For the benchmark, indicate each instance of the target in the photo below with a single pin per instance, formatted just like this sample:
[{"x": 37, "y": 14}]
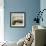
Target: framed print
[{"x": 17, "y": 19}]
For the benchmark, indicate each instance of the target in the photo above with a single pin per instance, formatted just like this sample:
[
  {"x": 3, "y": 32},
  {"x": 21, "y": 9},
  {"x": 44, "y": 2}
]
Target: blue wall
[
  {"x": 43, "y": 6},
  {"x": 28, "y": 6}
]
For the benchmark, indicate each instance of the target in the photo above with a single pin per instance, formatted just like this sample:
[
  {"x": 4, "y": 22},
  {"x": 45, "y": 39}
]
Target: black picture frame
[{"x": 17, "y": 19}]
